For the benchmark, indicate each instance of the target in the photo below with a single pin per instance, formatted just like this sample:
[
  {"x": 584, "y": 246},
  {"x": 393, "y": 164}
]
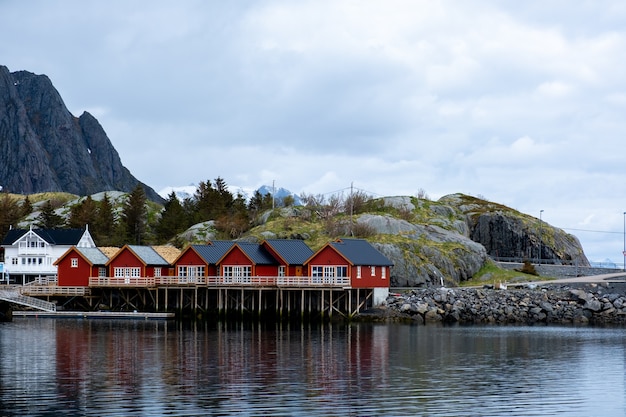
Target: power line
[{"x": 591, "y": 231}]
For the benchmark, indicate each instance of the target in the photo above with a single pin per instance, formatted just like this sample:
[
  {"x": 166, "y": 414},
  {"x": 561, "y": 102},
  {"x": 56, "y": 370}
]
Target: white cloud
[{"x": 521, "y": 102}]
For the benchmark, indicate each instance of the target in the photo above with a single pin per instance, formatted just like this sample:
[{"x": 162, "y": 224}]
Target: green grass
[{"x": 497, "y": 274}]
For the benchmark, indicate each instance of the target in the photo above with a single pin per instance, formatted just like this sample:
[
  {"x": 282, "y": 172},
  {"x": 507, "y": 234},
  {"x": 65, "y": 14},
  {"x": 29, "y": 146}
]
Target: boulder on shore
[{"x": 556, "y": 304}]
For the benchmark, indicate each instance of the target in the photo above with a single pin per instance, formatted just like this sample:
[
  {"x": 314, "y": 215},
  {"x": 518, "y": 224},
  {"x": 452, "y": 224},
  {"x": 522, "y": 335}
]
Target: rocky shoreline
[{"x": 554, "y": 303}]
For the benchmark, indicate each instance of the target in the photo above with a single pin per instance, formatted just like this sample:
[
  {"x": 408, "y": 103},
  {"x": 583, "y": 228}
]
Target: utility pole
[
  {"x": 540, "y": 236},
  {"x": 351, "y": 205}
]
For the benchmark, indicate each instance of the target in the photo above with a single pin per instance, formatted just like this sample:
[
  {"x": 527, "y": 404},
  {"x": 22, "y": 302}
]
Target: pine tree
[
  {"x": 27, "y": 207},
  {"x": 9, "y": 213},
  {"x": 48, "y": 219},
  {"x": 104, "y": 224},
  {"x": 83, "y": 213},
  {"x": 173, "y": 219},
  {"x": 135, "y": 215},
  {"x": 212, "y": 200}
]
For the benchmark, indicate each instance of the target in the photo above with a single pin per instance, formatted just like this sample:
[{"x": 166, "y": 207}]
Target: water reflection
[{"x": 97, "y": 367}]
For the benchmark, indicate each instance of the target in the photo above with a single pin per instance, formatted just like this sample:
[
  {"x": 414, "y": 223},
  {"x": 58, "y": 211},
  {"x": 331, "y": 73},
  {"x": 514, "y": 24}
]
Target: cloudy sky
[{"x": 519, "y": 102}]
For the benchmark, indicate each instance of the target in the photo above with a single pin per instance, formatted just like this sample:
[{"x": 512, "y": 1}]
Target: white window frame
[
  {"x": 372, "y": 271},
  {"x": 358, "y": 271},
  {"x": 73, "y": 261}
]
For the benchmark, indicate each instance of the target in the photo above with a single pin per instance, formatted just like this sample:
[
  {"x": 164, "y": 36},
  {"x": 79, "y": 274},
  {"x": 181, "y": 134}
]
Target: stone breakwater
[{"x": 558, "y": 304}]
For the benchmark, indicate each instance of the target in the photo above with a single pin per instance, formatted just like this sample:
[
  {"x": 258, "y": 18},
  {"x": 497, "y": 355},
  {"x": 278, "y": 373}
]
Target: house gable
[
  {"x": 291, "y": 254},
  {"x": 366, "y": 267}
]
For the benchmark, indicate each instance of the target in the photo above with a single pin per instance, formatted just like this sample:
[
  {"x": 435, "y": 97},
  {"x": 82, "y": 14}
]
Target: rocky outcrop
[
  {"x": 558, "y": 304},
  {"x": 43, "y": 147},
  {"x": 426, "y": 254},
  {"x": 506, "y": 233}
]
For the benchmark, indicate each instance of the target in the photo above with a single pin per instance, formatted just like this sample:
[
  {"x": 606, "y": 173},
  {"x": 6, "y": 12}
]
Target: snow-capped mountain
[
  {"x": 182, "y": 192},
  {"x": 279, "y": 193}
]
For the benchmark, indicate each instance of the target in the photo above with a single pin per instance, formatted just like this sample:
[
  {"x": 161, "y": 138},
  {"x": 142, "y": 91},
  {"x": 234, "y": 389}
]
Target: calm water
[{"x": 149, "y": 368}]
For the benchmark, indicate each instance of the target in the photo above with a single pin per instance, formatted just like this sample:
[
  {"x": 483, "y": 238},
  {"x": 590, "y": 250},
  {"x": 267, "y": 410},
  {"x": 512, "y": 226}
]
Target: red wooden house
[
  {"x": 352, "y": 261},
  {"x": 244, "y": 260},
  {"x": 200, "y": 261},
  {"x": 291, "y": 255},
  {"x": 77, "y": 264},
  {"x": 133, "y": 263}
]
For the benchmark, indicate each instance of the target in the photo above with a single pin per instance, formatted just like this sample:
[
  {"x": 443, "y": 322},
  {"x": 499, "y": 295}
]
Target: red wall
[
  {"x": 329, "y": 256},
  {"x": 73, "y": 277},
  {"x": 191, "y": 257},
  {"x": 125, "y": 258},
  {"x": 235, "y": 257},
  {"x": 367, "y": 280},
  {"x": 265, "y": 270}
]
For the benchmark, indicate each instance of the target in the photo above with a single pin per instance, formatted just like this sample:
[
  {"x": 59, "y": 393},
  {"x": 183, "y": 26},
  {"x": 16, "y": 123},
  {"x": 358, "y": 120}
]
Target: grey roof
[
  {"x": 148, "y": 255},
  {"x": 52, "y": 236},
  {"x": 292, "y": 251},
  {"x": 93, "y": 255},
  {"x": 360, "y": 252},
  {"x": 213, "y": 251},
  {"x": 257, "y": 253}
]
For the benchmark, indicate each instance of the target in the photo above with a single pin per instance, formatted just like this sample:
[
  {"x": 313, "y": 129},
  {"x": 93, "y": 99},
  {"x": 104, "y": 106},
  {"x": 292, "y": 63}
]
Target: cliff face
[
  {"x": 506, "y": 233},
  {"x": 43, "y": 147}
]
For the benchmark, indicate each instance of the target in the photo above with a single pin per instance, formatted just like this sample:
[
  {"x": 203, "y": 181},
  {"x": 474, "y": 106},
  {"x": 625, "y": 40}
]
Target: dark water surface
[{"x": 151, "y": 368}]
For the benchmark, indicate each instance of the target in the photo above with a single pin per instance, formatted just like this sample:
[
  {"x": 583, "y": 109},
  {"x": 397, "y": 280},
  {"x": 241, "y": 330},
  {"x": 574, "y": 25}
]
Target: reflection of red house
[
  {"x": 354, "y": 258},
  {"x": 134, "y": 261},
  {"x": 77, "y": 264},
  {"x": 201, "y": 260}
]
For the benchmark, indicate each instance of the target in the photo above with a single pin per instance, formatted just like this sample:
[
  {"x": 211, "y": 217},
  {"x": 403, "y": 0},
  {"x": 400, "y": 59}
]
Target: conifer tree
[
  {"x": 173, "y": 219},
  {"x": 48, "y": 219},
  {"x": 134, "y": 216},
  {"x": 83, "y": 213},
  {"x": 27, "y": 207},
  {"x": 104, "y": 224},
  {"x": 9, "y": 213}
]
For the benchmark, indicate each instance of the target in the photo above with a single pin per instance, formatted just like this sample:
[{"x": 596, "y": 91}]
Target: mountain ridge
[{"x": 44, "y": 148}]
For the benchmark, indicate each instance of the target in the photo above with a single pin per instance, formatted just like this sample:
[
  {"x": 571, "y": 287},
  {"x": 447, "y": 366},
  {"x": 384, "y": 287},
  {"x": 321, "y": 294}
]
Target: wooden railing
[
  {"x": 216, "y": 281},
  {"x": 54, "y": 290},
  {"x": 122, "y": 281}
]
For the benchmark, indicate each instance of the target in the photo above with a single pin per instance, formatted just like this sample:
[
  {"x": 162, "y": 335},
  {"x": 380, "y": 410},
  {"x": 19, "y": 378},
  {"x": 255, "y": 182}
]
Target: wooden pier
[{"x": 263, "y": 298}]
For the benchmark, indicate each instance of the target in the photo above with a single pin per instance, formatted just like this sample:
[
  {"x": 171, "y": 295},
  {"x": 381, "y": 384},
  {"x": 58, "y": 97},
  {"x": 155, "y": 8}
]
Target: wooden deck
[
  {"x": 221, "y": 281},
  {"x": 135, "y": 315}
]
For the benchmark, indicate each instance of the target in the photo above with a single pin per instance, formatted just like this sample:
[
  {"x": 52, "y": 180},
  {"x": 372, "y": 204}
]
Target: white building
[{"x": 30, "y": 254}]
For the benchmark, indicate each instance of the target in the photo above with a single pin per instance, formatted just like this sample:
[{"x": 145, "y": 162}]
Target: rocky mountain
[
  {"x": 435, "y": 242},
  {"x": 43, "y": 147}
]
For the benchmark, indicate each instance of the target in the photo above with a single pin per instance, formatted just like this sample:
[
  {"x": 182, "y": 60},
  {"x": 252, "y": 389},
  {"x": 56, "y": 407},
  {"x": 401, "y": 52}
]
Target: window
[
  {"x": 125, "y": 272},
  {"x": 157, "y": 271},
  {"x": 102, "y": 272},
  {"x": 316, "y": 273},
  {"x": 182, "y": 271},
  {"x": 358, "y": 271},
  {"x": 281, "y": 271},
  {"x": 383, "y": 272},
  {"x": 196, "y": 271},
  {"x": 74, "y": 262},
  {"x": 327, "y": 273},
  {"x": 373, "y": 271},
  {"x": 237, "y": 273},
  {"x": 14, "y": 261}
]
